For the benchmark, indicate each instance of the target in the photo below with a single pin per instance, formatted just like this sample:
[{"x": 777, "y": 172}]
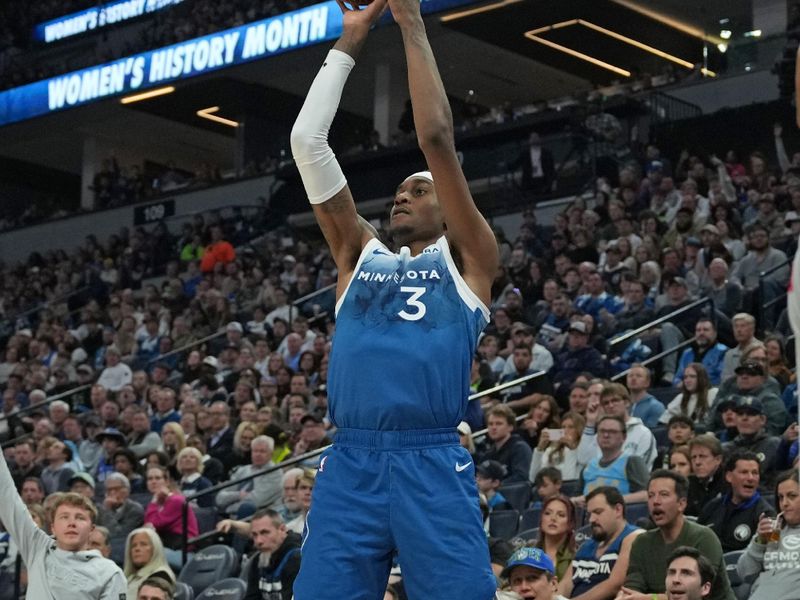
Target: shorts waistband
[{"x": 395, "y": 440}]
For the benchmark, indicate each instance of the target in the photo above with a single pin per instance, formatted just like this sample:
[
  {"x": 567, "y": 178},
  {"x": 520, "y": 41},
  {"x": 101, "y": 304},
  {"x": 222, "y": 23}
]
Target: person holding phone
[
  {"x": 773, "y": 554},
  {"x": 559, "y": 448}
]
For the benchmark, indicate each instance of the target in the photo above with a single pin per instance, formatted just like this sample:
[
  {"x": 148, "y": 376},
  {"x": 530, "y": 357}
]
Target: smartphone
[{"x": 555, "y": 434}]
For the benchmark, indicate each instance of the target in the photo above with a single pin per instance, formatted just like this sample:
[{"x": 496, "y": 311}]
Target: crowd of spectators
[{"x": 210, "y": 372}]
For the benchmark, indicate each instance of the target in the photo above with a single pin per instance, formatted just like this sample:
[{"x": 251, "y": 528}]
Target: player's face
[
  {"x": 416, "y": 210},
  {"x": 684, "y": 582},
  {"x": 532, "y": 584},
  {"x": 71, "y": 527}
]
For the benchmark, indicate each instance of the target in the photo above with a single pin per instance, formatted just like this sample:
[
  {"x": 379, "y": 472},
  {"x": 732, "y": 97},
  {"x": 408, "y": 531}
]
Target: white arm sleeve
[{"x": 320, "y": 171}]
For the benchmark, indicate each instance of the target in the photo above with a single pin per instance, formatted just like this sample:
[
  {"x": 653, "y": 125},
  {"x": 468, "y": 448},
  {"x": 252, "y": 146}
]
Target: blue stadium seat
[
  {"x": 117, "y": 544},
  {"x": 503, "y": 523},
  {"x": 517, "y": 494},
  {"x": 636, "y": 511},
  {"x": 231, "y": 588},
  {"x": 207, "y": 517},
  {"x": 183, "y": 591},
  {"x": 526, "y": 537},
  {"x": 571, "y": 487},
  {"x": 208, "y": 566},
  {"x": 530, "y": 518}
]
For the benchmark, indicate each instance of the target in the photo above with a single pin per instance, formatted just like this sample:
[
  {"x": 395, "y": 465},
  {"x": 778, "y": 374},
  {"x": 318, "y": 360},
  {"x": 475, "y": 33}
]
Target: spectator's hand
[
  {"x": 162, "y": 494},
  {"x": 300, "y": 447},
  {"x": 592, "y": 412},
  {"x": 544, "y": 439},
  {"x": 579, "y": 501},
  {"x": 765, "y": 527},
  {"x": 629, "y": 594},
  {"x": 530, "y": 425},
  {"x": 715, "y": 160},
  {"x": 777, "y": 130},
  {"x": 790, "y": 434},
  {"x": 225, "y": 525}
]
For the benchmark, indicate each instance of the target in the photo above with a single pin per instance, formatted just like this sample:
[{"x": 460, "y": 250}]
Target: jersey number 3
[{"x": 413, "y": 302}]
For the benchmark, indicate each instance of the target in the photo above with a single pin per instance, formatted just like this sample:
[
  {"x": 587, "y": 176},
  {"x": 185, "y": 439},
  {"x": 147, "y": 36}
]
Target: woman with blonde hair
[
  {"x": 190, "y": 466},
  {"x": 244, "y": 435},
  {"x": 144, "y": 558},
  {"x": 173, "y": 440}
]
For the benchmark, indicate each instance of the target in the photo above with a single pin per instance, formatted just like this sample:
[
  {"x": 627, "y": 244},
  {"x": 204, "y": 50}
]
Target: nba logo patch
[{"x": 322, "y": 464}]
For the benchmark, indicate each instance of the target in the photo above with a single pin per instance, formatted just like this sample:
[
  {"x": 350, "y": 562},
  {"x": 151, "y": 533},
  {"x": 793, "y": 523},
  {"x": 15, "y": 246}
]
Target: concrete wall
[
  {"x": 712, "y": 95},
  {"x": 69, "y": 233}
]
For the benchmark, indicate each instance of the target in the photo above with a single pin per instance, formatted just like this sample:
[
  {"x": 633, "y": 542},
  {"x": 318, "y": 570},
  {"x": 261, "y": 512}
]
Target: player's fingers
[{"x": 343, "y": 6}]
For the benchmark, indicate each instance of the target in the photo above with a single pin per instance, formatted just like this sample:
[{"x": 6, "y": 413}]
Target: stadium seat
[
  {"x": 530, "y": 518},
  {"x": 740, "y": 587},
  {"x": 183, "y": 591},
  {"x": 117, "y": 544},
  {"x": 660, "y": 433},
  {"x": 207, "y": 518},
  {"x": 231, "y": 588},
  {"x": 636, "y": 511},
  {"x": 517, "y": 494},
  {"x": 503, "y": 523},
  {"x": 209, "y": 565},
  {"x": 527, "y": 537},
  {"x": 571, "y": 487},
  {"x": 582, "y": 534},
  {"x": 665, "y": 395}
]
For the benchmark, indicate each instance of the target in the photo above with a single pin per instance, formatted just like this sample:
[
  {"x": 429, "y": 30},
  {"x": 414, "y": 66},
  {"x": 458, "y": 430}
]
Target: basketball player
[{"x": 396, "y": 478}]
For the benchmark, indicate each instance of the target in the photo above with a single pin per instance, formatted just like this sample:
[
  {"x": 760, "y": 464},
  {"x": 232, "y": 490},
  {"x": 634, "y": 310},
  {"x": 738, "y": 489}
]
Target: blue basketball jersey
[{"x": 406, "y": 330}]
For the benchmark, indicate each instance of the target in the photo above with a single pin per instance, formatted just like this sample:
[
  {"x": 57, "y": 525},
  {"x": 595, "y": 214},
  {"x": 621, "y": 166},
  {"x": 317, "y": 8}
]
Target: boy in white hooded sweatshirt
[{"x": 60, "y": 567}]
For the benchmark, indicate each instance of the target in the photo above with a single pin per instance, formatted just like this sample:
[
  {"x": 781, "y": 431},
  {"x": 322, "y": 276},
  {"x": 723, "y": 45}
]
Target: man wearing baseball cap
[
  {"x": 751, "y": 425},
  {"x": 531, "y": 574}
]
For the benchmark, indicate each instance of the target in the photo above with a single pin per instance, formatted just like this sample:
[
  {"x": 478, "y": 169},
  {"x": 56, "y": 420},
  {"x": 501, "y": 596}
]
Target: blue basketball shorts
[{"x": 381, "y": 491}]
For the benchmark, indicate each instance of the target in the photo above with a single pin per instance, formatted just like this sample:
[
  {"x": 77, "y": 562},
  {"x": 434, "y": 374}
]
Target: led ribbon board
[
  {"x": 97, "y": 17},
  {"x": 199, "y": 56}
]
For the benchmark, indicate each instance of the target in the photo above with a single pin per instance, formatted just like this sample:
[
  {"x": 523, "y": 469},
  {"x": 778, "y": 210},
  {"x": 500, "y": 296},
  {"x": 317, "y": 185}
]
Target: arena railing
[
  {"x": 295, "y": 305},
  {"x": 668, "y": 317},
  {"x": 186, "y": 542},
  {"x": 185, "y": 347},
  {"x": 763, "y": 306},
  {"x": 656, "y": 357},
  {"x": 47, "y": 401}
]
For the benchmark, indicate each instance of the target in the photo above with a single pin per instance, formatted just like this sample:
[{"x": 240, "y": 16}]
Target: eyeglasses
[{"x": 609, "y": 432}]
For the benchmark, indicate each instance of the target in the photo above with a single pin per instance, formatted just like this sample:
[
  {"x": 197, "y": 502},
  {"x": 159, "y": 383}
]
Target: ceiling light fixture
[
  {"x": 207, "y": 113},
  {"x": 725, "y": 34},
  {"x": 669, "y": 21},
  {"x": 147, "y": 95},
  {"x": 536, "y": 35}
]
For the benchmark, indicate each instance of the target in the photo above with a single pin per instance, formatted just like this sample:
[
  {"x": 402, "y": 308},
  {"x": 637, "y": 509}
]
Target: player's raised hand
[{"x": 361, "y": 17}]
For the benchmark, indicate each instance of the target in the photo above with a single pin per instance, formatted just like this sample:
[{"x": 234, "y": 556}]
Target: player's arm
[
  {"x": 467, "y": 230},
  {"x": 797, "y": 87},
  {"x": 322, "y": 176}
]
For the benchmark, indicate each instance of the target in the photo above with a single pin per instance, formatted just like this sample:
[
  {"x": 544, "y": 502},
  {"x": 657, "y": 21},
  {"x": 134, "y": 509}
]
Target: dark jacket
[
  {"x": 275, "y": 581},
  {"x": 703, "y": 492},
  {"x": 515, "y": 454},
  {"x": 765, "y": 446},
  {"x": 735, "y": 525},
  {"x": 569, "y": 363}
]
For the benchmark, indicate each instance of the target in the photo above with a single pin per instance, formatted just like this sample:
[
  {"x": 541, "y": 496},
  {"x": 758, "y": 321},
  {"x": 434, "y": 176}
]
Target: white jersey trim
[
  {"x": 469, "y": 297},
  {"x": 373, "y": 243}
]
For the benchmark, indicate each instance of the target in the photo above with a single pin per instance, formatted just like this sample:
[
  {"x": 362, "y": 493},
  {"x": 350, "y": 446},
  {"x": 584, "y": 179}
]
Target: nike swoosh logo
[
  {"x": 460, "y": 468},
  {"x": 382, "y": 253}
]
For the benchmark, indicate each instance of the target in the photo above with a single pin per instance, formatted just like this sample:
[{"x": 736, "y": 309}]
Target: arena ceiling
[{"x": 516, "y": 51}]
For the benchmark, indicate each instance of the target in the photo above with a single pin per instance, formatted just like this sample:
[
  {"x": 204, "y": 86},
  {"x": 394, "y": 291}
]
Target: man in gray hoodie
[
  {"x": 772, "y": 556},
  {"x": 62, "y": 568}
]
